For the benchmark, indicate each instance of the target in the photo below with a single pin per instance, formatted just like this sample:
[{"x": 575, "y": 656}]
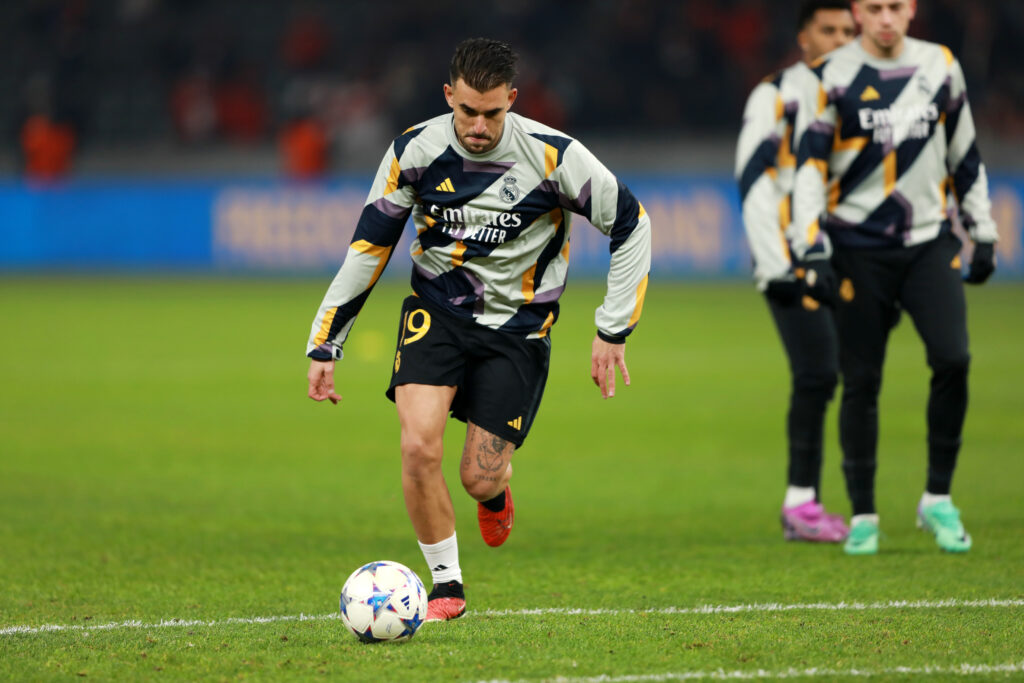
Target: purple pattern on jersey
[
  {"x": 837, "y": 92},
  {"x": 581, "y": 199},
  {"x": 908, "y": 213},
  {"x": 955, "y": 103},
  {"x": 822, "y": 127},
  {"x": 411, "y": 176},
  {"x": 478, "y": 292},
  {"x": 548, "y": 296},
  {"x": 499, "y": 167},
  {"x": 893, "y": 74},
  {"x": 390, "y": 209}
]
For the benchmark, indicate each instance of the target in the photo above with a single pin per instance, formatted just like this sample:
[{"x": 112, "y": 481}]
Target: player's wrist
[
  {"x": 326, "y": 352},
  {"x": 610, "y": 338}
]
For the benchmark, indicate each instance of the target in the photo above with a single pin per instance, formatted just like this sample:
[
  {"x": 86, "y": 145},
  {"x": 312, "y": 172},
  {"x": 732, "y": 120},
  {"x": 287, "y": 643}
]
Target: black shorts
[{"x": 499, "y": 376}]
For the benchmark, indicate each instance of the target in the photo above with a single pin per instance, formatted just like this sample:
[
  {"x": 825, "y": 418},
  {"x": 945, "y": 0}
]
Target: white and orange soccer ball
[{"x": 383, "y": 601}]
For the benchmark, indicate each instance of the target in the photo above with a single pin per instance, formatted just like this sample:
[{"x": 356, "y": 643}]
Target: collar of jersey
[
  {"x": 903, "y": 59},
  {"x": 496, "y": 153}
]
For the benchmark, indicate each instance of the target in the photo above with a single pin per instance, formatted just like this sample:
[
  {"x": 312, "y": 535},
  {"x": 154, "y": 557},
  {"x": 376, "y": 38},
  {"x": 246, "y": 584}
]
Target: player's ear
[
  {"x": 512, "y": 93},
  {"x": 913, "y": 8},
  {"x": 449, "y": 95}
]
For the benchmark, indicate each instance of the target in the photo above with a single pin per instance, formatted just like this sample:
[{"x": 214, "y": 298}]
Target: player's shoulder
[
  {"x": 924, "y": 52},
  {"x": 795, "y": 77},
  {"x": 425, "y": 135},
  {"x": 523, "y": 126},
  {"x": 841, "y": 59},
  {"x": 763, "y": 97},
  {"x": 539, "y": 136}
]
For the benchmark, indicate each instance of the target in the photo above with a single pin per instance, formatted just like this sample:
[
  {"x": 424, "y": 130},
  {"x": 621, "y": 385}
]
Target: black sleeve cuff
[
  {"x": 610, "y": 339},
  {"x": 326, "y": 352}
]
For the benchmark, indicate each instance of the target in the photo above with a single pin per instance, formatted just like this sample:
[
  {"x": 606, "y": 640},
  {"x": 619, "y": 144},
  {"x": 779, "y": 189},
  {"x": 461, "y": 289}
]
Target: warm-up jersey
[
  {"x": 765, "y": 167},
  {"x": 492, "y": 231},
  {"x": 886, "y": 140}
]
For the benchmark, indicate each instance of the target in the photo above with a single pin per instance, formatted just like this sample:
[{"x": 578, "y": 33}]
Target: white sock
[
  {"x": 867, "y": 518},
  {"x": 443, "y": 560},
  {"x": 798, "y": 495},
  {"x": 933, "y": 498}
]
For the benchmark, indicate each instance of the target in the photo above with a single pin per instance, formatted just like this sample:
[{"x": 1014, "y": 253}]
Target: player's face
[
  {"x": 479, "y": 116},
  {"x": 827, "y": 30},
  {"x": 884, "y": 24}
]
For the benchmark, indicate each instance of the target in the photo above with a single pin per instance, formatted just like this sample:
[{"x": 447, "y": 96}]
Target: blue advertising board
[{"x": 268, "y": 226}]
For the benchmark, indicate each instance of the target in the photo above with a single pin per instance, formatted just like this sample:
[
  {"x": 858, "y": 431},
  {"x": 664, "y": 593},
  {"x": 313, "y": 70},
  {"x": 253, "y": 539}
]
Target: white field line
[
  {"x": 571, "y": 611},
  {"x": 816, "y": 672}
]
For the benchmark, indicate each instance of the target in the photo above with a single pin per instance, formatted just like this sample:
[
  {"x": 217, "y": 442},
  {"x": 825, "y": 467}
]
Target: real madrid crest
[{"x": 510, "y": 190}]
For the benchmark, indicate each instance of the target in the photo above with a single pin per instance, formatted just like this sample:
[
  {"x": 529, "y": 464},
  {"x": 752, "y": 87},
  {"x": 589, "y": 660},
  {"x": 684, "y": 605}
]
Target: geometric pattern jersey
[
  {"x": 492, "y": 241},
  {"x": 766, "y": 166},
  {"x": 885, "y": 142}
]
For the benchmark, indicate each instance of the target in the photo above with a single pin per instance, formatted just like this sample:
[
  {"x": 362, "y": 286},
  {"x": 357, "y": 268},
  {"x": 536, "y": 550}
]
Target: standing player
[
  {"x": 765, "y": 165},
  {"x": 891, "y": 131},
  {"x": 489, "y": 193}
]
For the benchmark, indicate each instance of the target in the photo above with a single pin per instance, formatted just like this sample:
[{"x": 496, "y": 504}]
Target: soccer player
[
  {"x": 890, "y": 131},
  {"x": 490, "y": 194},
  {"x": 765, "y": 165}
]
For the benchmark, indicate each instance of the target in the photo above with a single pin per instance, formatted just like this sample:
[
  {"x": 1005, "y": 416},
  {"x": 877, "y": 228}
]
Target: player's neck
[{"x": 880, "y": 52}]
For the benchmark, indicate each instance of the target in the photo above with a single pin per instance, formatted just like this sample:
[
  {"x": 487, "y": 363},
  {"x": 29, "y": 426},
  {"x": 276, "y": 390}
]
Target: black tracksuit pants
[
  {"x": 808, "y": 334},
  {"x": 925, "y": 282}
]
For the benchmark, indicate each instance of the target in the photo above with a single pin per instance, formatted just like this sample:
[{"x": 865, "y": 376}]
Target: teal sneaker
[
  {"x": 943, "y": 520},
  {"x": 863, "y": 538}
]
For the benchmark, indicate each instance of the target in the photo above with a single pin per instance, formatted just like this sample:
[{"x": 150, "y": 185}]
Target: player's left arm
[
  {"x": 594, "y": 192},
  {"x": 969, "y": 179},
  {"x": 816, "y": 123}
]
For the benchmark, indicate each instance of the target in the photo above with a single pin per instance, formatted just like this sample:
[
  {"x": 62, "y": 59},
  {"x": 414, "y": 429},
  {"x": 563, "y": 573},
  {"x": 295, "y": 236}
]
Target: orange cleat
[
  {"x": 446, "y": 601},
  {"x": 496, "y": 526}
]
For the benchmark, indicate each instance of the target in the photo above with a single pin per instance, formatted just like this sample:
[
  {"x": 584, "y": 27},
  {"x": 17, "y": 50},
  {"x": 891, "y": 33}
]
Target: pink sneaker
[
  {"x": 839, "y": 524},
  {"x": 810, "y": 522}
]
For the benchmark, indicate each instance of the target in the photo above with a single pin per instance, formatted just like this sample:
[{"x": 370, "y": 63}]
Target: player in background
[
  {"x": 765, "y": 165},
  {"x": 891, "y": 130},
  {"x": 490, "y": 194}
]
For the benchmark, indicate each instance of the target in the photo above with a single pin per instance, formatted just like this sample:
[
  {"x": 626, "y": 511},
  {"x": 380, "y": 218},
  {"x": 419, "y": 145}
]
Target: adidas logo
[
  {"x": 438, "y": 568},
  {"x": 869, "y": 94},
  {"x": 516, "y": 423},
  {"x": 446, "y": 186}
]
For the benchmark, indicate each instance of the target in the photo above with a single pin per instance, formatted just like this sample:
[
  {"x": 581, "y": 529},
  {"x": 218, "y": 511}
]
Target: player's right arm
[
  {"x": 765, "y": 204},
  {"x": 378, "y": 231},
  {"x": 809, "y": 186}
]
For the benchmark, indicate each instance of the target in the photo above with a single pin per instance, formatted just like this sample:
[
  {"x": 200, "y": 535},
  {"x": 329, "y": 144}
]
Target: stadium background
[{"x": 169, "y": 133}]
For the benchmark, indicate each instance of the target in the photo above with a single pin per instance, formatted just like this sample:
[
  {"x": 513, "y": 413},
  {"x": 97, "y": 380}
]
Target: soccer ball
[{"x": 383, "y": 601}]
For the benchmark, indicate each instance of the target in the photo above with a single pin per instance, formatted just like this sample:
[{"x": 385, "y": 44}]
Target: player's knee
[
  {"x": 481, "y": 486},
  {"x": 950, "y": 364},
  {"x": 421, "y": 457},
  {"x": 862, "y": 382},
  {"x": 819, "y": 385}
]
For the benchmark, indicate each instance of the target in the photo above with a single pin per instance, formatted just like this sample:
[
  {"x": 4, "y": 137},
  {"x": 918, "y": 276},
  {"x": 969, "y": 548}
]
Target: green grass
[{"x": 159, "y": 460}]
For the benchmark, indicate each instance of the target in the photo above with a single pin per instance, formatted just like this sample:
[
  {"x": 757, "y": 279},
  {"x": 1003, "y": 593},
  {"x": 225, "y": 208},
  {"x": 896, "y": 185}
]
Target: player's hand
[
  {"x": 604, "y": 358},
  {"x": 983, "y": 263},
  {"x": 820, "y": 282},
  {"x": 785, "y": 290},
  {"x": 321, "y": 381}
]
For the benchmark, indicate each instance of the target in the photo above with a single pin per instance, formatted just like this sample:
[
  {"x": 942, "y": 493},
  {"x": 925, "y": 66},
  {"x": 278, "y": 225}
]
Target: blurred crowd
[{"x": 326, "y": 78}]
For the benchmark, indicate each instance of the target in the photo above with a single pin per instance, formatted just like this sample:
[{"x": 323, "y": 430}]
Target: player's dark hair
[
  {"x": 483, "y": 64},
  {"x": 809, "y": 7}
]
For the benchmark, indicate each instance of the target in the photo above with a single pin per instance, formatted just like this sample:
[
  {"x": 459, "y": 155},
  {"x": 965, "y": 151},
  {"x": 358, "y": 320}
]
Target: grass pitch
[{"x": 159, "y": 461}]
